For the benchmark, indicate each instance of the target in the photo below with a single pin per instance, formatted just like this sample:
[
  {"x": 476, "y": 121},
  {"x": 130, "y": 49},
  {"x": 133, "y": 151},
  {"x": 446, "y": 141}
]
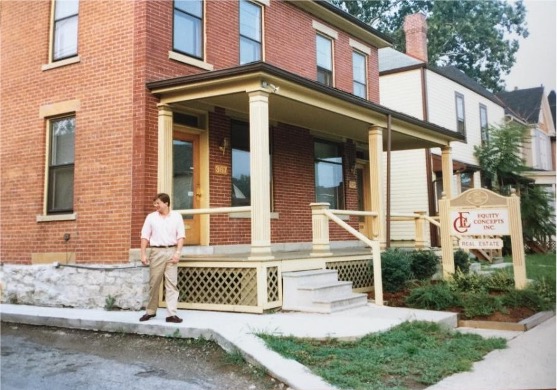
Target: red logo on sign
[{"x": 460, "y": 223}]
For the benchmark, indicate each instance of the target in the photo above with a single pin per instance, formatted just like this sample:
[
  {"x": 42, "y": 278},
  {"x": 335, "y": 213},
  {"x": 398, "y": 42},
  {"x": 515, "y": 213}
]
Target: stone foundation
[{"x": 87, "y": 287}]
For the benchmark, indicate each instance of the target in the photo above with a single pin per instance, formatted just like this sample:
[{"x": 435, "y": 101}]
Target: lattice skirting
[
  {"x": 359, "y": 272},
  {"x": 219, "y": 287}
]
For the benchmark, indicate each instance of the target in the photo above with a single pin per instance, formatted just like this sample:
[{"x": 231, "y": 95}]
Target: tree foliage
[
  {"x": 501, "y": 165},
  {"x": 478, "y": 37}
]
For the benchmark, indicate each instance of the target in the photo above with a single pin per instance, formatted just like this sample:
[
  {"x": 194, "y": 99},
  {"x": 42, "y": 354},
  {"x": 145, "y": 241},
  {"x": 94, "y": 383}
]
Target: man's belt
[{"x": 163, "y": 246}]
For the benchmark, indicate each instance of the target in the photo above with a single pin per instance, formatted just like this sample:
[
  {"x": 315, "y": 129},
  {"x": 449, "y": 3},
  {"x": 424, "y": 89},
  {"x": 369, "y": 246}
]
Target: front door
[{"x": 185, "y": 181}]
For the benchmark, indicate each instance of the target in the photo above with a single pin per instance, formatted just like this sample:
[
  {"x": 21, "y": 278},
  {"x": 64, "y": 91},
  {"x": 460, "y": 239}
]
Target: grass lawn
[
  {"x": 539, "y": 266},
  {"x": 412, "y": 355}
]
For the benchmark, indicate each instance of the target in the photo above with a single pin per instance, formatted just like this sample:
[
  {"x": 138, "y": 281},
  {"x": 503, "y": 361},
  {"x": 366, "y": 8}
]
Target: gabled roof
[
  {"x": 393, "y": 61},
  {"x": 524, "y": 102}
]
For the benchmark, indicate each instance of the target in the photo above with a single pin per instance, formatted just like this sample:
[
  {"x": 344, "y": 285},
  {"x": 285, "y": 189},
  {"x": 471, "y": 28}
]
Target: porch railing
[{"x": 321, "y": 214}]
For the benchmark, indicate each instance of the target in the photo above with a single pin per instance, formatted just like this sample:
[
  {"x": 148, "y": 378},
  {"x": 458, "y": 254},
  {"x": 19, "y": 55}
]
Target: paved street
[{"x": 55, "y": 358}]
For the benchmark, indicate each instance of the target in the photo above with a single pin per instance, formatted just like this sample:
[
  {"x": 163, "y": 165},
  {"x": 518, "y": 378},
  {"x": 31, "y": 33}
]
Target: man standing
[{"x": 164, "y": 232}]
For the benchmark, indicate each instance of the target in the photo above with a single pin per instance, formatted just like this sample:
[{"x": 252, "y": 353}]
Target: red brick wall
[{"x": 123, "y": 45}]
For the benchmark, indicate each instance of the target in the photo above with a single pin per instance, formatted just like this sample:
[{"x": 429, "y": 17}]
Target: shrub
[
  {"x": 424, "y": 264},
  {"x": 469, "y": 282},
  {"x": 480, "y": 304},
  {"x": 527, "y": 297},
  {"x": 436, "y": 296},
  {"x": 395, "y": 269},
  {"x": 500, "y": 280},
  {"x": 545, "y": 289},
  {"x": 461, "y": 261}
]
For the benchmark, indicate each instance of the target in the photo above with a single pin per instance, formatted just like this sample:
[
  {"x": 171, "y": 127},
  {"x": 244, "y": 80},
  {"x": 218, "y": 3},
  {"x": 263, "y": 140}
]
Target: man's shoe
[
  {"x": 174, "y": 319},
  {"x": 147, "y": 317}
]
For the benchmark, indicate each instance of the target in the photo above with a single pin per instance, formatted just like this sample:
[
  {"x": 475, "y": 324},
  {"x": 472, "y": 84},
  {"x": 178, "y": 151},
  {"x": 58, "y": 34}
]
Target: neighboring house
[
  {"x": 245, "y": 112},
  {"x": 444, "y": 96},
  {"x": 533, "y": 107}
]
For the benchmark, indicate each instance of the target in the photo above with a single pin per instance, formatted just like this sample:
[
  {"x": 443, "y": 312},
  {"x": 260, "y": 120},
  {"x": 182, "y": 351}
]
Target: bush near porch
[{"x": 407, "y": 281}]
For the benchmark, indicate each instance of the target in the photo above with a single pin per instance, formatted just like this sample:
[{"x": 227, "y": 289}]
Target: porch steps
[{"x": 318, "y": 291}]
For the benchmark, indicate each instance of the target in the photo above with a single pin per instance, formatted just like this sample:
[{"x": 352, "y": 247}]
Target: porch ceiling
[{"x": 300, "y": 102}]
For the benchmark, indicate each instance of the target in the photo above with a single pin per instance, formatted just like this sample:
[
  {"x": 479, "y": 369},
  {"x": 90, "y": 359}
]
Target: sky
[{"x": 535, "y": 59}]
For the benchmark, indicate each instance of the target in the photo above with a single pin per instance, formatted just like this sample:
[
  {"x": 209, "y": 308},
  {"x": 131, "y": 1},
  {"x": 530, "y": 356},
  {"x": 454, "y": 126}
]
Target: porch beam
[
  {"x": 260, "y": 176},
  {"x": 375, "y": 141}
]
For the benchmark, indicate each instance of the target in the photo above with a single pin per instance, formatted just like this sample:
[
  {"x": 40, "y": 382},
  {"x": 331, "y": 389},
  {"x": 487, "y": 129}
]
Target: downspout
[{"x": 388, "y": 205}]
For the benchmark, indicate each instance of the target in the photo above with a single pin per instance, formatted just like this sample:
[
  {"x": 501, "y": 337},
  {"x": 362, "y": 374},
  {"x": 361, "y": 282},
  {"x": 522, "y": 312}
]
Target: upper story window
[
  {"x": 359, "y": 74},
  {"x": 541, "y": 152},
  {"x": 324, "y": 49},
  {"x": 460, "y": 115},
  {"x": 329, "y": 180},
  {"x": 188, "y": 27},
  {"x": 250, "y": 32},
  {"x": 483, "y": 123},
  {"x": 61, "y": 165},
  {"x": 65, "y": 24}
]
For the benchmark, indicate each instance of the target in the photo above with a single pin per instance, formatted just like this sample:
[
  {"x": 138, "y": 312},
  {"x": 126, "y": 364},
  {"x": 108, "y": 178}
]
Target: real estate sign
[{"x": 480, "y": 222}]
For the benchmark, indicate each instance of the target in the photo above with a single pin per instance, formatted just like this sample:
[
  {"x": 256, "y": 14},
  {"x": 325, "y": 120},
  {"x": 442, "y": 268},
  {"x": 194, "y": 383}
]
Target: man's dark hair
[{"x": 163, "y": 198}]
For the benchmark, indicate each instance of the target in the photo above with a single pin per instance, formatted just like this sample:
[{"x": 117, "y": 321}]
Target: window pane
[
  {"x": 241, "y": 190},
  {"x": 65, "y": 8},
  {"x": 460, "y": 107},
  {"x": 62, "y": 141},
  {"x": 183, "y": 191},
  {"x": 61, "y": 189},
  {"x": 187, "y": 34},
  {"x": 329, "y": 183},
  {"x": 192, "y": 7},
  {"x": 324, "y": 53},
  {"x": 250, "y": 51},
  {"x": 359, "y": 67},
  {"x": 65, "y": 38},
  {"x": 359, "y": 90},
  {"x": 250, "y": 20}
]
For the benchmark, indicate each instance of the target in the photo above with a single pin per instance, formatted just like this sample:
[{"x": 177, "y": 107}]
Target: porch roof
[{"x": 301, "y": 102}]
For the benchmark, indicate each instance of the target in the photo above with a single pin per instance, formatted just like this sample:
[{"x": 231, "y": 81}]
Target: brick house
[{"x": 245, "y": 112}]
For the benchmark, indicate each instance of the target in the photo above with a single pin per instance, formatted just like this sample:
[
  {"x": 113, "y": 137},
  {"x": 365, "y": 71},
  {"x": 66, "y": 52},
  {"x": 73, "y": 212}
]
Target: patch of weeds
[
  {"x": 411, "y": 355},
  {"x": 436, "y": 296},
  {"x": 480, "y": 304},
  {"x": 109, "y": 303}
]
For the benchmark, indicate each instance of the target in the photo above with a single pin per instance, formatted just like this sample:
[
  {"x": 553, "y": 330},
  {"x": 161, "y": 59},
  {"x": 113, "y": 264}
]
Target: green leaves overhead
[{"x": 478, "y": 37}]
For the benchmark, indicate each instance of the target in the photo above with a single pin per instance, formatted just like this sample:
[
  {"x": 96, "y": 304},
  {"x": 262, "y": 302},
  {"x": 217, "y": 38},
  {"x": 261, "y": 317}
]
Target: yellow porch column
[
  {"x": 447, "y": 168},
  {"x": 375, "y": 139},
  {"x": 260, "y": 176},
  {"x": 164, "y": 170}
]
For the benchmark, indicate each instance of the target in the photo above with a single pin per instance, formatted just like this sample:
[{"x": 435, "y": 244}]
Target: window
[
  {"x": 61, "y": 165},
  {"x": 466, "y": 181},
  {"x": 329, "y": 182},
  {"x": 188, "y": 27},
  {"x": 250, "y": 32},
  {"x": 483, "y": 123},
  {"x": 65, "y": 29},
  {"x": 324, "y": 60},
  {"x": 460, "y": 123},
  {"x": 359, "y": 74},
  {"x": 239, "y": 140},
  {"x": 541, "y": 151}
]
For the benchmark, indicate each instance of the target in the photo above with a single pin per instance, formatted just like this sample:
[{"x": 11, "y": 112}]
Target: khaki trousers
[{"x": 159, "y": 267}]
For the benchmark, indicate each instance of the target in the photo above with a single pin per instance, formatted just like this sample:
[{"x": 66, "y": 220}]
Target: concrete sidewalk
[{"x": 530, "y": 356}]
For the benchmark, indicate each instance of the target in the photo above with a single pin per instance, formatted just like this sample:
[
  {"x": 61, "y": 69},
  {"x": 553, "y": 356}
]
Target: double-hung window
[
  {"x": 65, "y": 29},
  {"x": 483, "y": 124},
  {"x": 250, "y": 32},
  {"x": 460, "y": 115},
  {"x": 188, "y": 27},
  {"x": 241, "y": 173},
  {"x": 359, "y": 74},
  {"x": 329, "y": 181},
  {"x": 324, "y": 49},
  {"x": 61, "y": 165}
]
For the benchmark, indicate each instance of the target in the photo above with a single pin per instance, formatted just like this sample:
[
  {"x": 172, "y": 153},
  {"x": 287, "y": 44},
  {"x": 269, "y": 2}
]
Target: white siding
[
  {"x": 408, "y": 189},
  {"x": 402, "y": 92},
  {"x": 442, "y": 111}
]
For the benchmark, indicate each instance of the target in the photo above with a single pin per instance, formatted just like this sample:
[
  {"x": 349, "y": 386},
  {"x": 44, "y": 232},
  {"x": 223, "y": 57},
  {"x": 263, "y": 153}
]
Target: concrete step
[{"x": 318, "y": 291}]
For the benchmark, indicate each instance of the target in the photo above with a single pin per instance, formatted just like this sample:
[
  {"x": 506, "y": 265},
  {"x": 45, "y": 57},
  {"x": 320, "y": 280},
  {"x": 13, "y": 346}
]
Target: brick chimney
[{"x": 415, "y": 29}]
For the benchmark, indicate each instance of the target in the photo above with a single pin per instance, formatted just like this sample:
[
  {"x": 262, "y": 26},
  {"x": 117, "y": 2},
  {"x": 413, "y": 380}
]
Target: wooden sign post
[{"x": 480, "y": 212}]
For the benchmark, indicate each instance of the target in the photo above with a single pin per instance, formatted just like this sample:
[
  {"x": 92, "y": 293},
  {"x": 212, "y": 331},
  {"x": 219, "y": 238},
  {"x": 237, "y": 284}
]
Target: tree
[
  {"x": 478, "y": 37},
  {"x": 501, "y": 165}
]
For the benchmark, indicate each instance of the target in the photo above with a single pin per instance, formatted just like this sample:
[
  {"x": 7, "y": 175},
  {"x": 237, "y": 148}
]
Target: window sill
[
  {"x": 248, "y": 215},
  {"x": 190, "y": 61},
  {"x": 59, "y": 64},
  {"x": 54, "y": 218}
]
